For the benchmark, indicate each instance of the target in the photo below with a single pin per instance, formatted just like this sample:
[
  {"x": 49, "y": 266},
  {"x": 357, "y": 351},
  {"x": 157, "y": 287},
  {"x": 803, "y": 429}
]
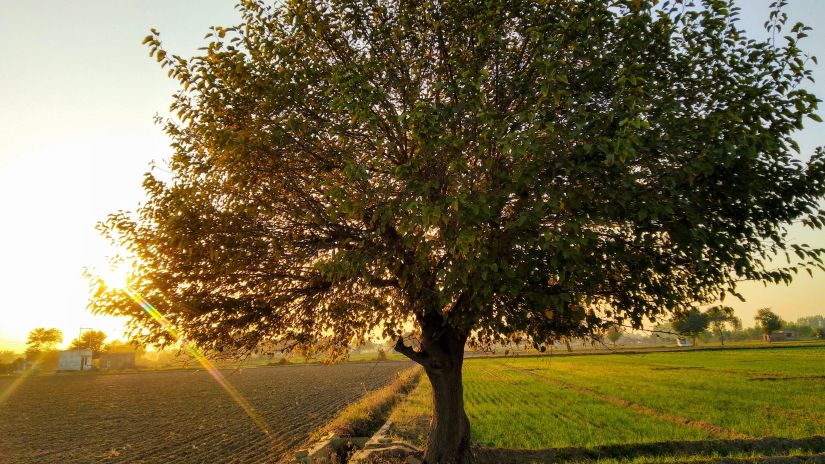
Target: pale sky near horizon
[{"x": 78, "y": 93}]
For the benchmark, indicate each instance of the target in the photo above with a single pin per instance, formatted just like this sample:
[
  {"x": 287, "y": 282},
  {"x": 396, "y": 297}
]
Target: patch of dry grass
[
  {"x": 365, "y": 416},
  {"x": 411, "y": 418}
]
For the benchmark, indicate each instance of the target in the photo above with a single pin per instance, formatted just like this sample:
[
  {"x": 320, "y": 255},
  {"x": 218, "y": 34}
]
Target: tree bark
[
  {"x": 442, "y": 356},
  {"x": 449, "y": 440}
]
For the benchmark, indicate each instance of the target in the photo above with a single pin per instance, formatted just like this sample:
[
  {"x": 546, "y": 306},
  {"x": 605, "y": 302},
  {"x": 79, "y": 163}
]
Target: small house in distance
[
  {"x": 683, "y": 341},
  {"x": 779, "y": 336},
  {"x": 75, "y": 360},
  {"x": 125, "y": 360}
]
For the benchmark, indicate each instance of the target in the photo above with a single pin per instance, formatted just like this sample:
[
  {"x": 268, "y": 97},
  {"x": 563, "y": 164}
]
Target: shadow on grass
[{"x": 770, "y": 446}]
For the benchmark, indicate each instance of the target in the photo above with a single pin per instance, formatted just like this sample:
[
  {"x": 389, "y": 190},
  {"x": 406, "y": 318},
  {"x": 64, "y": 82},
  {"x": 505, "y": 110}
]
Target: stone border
[{"x": 334, "y": 449}]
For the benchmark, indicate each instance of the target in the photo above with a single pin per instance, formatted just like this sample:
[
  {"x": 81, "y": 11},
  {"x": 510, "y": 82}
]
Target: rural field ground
[
  {"x": 655, "y": 404},
  {"x": 177, "y": 416}
]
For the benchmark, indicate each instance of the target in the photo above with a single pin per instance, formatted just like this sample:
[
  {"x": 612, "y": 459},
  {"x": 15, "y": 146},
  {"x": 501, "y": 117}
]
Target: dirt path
[{"x": 716, "y": 430}]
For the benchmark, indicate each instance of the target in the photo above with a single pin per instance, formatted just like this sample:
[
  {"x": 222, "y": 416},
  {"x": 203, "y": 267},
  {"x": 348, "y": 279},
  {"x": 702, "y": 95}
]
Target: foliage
[
  {"x": 382, "y": 355},
  {"x": 474, "y": 170},
  {"x": 812, "y": 321},
  {"x": 614, "y": 334},
  {"x": 89, "y": 340},
  {"x": 721, "y": 317},
  {"x": 43, "y": 340},
  {"x": 820, "y": 333},
  {"x": 343, "y": 165},
  {"x": 119, "y": 346},
  {"x": 7, "y": 356},
  {"x": 692, "y": 322},
  {"x": 767, "y": 320}
]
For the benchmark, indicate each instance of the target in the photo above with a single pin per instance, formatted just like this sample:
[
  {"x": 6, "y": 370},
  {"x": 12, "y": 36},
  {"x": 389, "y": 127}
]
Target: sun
[{"x": 115, "y": 277}]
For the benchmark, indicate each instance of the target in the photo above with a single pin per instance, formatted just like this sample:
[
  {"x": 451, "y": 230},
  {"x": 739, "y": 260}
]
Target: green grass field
[{"x": 749, "y": 396}]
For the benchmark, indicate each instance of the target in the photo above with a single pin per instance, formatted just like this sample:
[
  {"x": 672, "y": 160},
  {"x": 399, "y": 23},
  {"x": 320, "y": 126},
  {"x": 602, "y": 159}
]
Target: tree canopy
[
  {"x": 468, "y": 170},
  {"x": 720, "y": 317},
  {"x": 89, "y": 340},
  {"x": 768, "y": 320},
  {"x": 42, "y": 339},
  {"x": 692, "y": 322}
]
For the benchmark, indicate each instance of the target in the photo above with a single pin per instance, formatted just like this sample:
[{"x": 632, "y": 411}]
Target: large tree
[{"x": 466, "y": 171}]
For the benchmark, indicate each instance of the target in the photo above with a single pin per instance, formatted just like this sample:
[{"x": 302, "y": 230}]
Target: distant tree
[
  {"x": 119, "y": 346},
  {"x": 7, "y": 356},
  {"x": 801, "y": 330},
  {"x": 382, "y": 355},
  {"x": 691, "y": 323},
  {"x": 89, "y": 340},
  {"x": 819, "y": 333},
  {"x": 720, "y": 318},
  {"x": 42, "y": 340},
  {"x": 471, "y": 169},
  {"x": 614, "y": 334},
  {"x": 767, "y": 320},
  {"x": 817, "y": 322}
]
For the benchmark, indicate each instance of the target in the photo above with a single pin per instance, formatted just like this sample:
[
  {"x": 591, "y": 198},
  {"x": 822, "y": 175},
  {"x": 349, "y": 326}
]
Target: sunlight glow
[
  {"x": 5, "y": 394},
  {"x": 115, "y": 277},
  {"x": 206, "y": 363}
]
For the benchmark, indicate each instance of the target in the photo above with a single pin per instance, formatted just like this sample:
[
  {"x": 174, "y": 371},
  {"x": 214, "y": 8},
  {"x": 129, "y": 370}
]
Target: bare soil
[{"x": 177, "y": 416}]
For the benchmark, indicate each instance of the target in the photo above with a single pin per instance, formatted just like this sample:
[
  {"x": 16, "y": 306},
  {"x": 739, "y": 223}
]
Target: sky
[{"x": 78, "y": 93}]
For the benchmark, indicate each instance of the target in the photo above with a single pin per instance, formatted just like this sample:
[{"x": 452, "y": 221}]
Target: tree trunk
[
  {"x": 449, "y": 440},
  {"x": 442, "y": 355}
]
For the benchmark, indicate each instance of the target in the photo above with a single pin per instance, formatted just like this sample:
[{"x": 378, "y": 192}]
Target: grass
[
  {"x": 757, "y": 393},
  {"x": 534, "y": 403},
  {"x": 365, "y": 416}
]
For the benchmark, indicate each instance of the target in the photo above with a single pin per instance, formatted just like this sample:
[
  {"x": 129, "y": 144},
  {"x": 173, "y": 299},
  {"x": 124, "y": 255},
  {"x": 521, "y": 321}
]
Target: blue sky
[{"x": 78, "y": 93}]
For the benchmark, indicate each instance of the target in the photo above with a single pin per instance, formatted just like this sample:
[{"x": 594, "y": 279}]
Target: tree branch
[{"x": 417, "y": 356}]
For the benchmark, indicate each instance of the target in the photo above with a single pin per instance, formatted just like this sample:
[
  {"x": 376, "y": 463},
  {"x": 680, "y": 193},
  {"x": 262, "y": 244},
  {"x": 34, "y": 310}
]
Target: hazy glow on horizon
[{"x": 78, "y": 93}]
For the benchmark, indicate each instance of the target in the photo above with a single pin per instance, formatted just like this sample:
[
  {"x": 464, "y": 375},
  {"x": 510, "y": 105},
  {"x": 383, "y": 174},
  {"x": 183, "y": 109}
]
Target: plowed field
[{"x": 176, "y": 416}]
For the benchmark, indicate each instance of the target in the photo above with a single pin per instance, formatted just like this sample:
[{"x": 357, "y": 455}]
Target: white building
[{"x": 75, "y": 360}]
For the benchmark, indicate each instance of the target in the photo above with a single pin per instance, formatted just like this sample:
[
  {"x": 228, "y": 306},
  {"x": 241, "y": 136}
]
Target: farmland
[
  {"x": 699, "y": 399},
  {"x": 177, "y": 416}
]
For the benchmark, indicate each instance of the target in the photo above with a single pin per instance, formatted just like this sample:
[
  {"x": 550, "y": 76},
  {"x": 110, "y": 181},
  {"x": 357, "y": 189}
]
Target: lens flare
[
  {"x": 4, "y": 395},
  {"x": 213, "y": 371}
]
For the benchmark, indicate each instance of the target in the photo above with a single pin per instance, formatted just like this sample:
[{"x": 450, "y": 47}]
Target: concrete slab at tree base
[
  {"x": 329, "y": 450},
  {"x": 380, "y": 448},
  {"x": 369, "y": 450},
  {"x": 397, "y": 451}
]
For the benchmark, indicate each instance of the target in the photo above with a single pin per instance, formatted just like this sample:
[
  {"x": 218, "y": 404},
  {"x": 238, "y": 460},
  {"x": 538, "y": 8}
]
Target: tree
[
  {"x": 767, "y": 320},
  {"x": 42, "y": 340},
  {"x": 119, "y": 346},
  {"x": 813, "y": 321},
  {"x": 819, "y": 333},
  {"x": 468, "y": 169},
  {"x": 692, "y": 323},
  {"x": 8, "y": 356},
  {"x": 614, "y": 334},
  {"x": 721, "y": 317},
  {"x": 89, "y": 340}
]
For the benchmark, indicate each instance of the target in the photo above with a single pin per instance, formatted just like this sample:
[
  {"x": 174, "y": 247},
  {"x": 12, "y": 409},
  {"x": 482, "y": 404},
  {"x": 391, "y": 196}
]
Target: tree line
[
  {"x": 42, "y": 343},
  {"x": 721, "y": 322}
]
